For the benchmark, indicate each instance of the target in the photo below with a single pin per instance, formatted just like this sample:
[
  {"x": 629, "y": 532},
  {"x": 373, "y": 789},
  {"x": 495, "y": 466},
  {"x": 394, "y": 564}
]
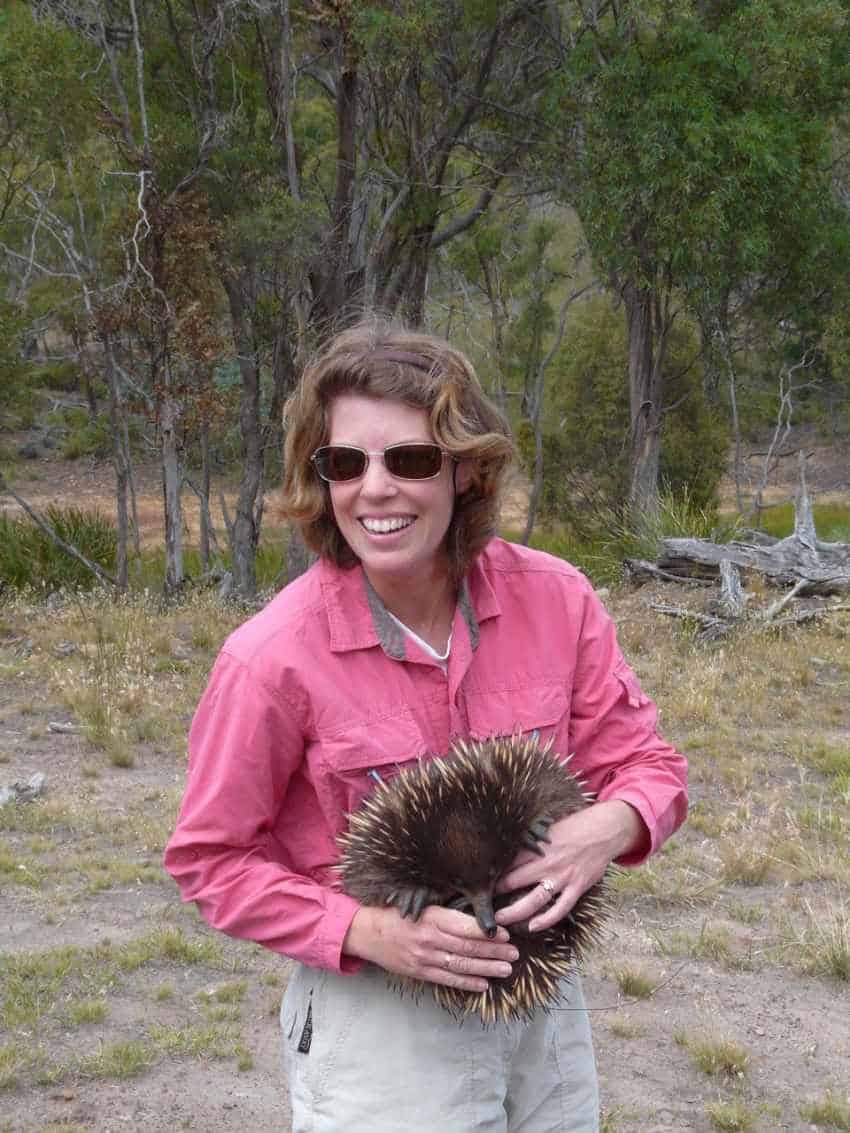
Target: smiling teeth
[{"x": 384, "y": 526}]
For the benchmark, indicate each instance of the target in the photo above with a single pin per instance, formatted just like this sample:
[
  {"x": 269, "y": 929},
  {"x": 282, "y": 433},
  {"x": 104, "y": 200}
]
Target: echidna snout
[{"x": 482, "y": 907}]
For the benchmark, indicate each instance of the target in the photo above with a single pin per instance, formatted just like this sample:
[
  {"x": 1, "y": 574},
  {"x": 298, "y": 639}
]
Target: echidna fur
[{"x": 442, "y": 832}]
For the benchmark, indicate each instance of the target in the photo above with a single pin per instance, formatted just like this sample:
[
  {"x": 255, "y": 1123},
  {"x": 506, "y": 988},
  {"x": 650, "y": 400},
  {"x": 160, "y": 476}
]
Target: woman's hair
[{"x": 377, "y": 360}]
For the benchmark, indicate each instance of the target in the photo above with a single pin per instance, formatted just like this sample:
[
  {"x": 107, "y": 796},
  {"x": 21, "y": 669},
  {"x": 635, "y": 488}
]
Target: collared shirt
[{"x": 321, "y": 693}]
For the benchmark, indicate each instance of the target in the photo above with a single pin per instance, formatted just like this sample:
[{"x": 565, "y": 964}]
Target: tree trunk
[
  {"x": 172, "y": 483},
  {"x": 336, "y": 289},
  {"x": 645, "y": 389},
  {"x": 204, "y": 522},
  {"x": 117, "y": 423},
  {"x": 244, "y": 532}
]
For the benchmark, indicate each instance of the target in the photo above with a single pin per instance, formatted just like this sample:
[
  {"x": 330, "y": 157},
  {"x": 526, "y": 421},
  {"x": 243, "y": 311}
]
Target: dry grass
[
  {"x": 731, "y": 1117},
  {"x": 715, "y": 1056},
  {"x": 830, "y": 1112},
  {"x": 755, "y": 886}
]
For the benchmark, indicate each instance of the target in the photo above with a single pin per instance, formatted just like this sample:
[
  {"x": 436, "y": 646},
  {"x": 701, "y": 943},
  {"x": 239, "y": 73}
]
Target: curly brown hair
[{"x": 382, "y": 361}]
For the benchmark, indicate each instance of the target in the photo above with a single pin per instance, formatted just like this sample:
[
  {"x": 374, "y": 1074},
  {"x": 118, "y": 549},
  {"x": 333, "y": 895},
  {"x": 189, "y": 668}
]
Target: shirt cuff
[{"x": 339, "y": 913}]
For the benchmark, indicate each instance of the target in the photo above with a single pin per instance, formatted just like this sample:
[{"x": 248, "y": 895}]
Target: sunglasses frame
[{"x": 381, "y": 454}]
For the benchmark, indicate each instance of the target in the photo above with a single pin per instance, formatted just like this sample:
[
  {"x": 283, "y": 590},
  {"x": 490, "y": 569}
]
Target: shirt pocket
[
  {"x": 355, "y": 760},
  {"x": 539, "y": 710}
]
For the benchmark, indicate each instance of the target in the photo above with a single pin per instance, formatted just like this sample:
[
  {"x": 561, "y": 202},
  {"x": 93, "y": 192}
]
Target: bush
[
  {"x": 81, "y": 435},
  {"x": 28, "y": 557},
  {"x": 18, "y": 403},
  {"x": 586, "y": 440},
  {"x": 63, "y": 376}
]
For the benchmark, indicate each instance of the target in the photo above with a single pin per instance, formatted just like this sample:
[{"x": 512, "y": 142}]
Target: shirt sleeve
[
  {"x": 614, "y": 735},
  {"x": 245, "y": 744}
]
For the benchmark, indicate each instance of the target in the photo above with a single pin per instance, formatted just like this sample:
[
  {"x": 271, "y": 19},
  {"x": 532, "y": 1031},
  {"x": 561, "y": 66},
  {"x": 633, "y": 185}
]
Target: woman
[{"x": 415, "y": 627}]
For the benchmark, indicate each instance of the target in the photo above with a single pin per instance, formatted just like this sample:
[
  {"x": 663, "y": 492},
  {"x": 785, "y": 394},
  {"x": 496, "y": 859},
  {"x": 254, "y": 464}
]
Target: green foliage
[
  {"x": 64, "y": 376},
  {"x": 832, "y": 521},
  {"x": 83, "y": 436},
  {"x": 16, "y": 401},
  {"x": 707, "y": 151},
  {"x": 29, "y": 558},
  {"x": 586, "y": 443}
]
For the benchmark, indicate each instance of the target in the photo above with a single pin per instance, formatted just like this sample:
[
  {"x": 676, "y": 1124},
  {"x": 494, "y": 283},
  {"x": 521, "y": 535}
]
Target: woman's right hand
[{"x": 443, "y": 946}]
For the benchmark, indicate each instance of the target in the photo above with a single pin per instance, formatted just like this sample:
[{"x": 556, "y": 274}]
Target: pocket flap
[
  {"x": 375, "y": 743},
  {"x": 635, "y": 695},
  {"x": 507, "y": 711}
]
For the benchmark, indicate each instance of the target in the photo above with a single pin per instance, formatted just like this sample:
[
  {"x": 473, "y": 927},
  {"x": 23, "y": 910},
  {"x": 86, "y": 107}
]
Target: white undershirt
[{"x": 442, "y": 659}]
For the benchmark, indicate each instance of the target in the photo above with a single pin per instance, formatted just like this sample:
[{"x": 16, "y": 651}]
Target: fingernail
[
  {"x": 505, "y": 969},
  {"x": 513, "y": 954}
]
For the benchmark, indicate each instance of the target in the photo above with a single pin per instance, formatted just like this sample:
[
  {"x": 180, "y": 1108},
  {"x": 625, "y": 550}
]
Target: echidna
[{"x": 444, "y": 831}]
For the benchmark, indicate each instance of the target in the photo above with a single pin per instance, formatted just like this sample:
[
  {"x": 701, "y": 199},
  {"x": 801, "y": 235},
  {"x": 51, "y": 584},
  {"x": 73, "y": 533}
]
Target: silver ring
[
  {"x": 547, "y": 885},
  {"x": 447, "y": 961}
]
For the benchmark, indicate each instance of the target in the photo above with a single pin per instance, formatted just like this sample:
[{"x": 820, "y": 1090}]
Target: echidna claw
[
  {"x": 411, "y": 902},
  {"x": 459, "y": 903},
  {"x": 420, "y": 899},
  {"x": 531, "y": 842}
]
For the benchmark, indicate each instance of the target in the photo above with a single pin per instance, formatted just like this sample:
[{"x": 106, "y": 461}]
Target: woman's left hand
[{"x": 582, "y": 846}]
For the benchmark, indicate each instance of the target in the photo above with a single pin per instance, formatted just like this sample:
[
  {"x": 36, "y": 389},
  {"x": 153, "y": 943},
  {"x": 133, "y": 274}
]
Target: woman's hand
[
  {"x": 582, "y": 846},
  {"x": 443, "y": 946}
]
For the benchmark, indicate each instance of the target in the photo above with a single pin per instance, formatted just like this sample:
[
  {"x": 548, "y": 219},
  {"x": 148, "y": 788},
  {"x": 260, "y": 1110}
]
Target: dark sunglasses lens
[
  {"x": 336, "y": 462},
  {"x": 413, "y": 462}
]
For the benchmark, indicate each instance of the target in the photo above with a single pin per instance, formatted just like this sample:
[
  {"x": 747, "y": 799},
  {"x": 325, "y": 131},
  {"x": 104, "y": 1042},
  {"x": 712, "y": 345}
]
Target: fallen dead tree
[
  {"x": 811, "y": 568},
  {"x": 801, "y": 558}
]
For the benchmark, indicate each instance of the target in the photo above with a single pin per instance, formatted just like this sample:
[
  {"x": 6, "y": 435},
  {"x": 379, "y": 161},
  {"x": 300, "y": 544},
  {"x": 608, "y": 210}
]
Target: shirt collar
[{"x": 358, "y": 619}]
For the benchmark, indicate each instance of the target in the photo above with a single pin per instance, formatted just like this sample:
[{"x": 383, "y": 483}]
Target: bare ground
[{"x": 729, "y": 941}]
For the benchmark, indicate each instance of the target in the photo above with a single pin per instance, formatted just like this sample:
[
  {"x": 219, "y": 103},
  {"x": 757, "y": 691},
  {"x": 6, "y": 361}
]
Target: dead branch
[{"x": 639, "y": 570}]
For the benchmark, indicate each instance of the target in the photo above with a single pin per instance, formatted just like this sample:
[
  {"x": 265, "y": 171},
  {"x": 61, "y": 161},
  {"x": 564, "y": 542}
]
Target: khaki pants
[{"x": 359, "y": 1058}]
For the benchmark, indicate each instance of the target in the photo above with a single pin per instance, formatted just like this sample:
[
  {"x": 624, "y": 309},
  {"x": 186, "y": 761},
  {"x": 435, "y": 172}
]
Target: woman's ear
[{"x": 464, "y": 476}]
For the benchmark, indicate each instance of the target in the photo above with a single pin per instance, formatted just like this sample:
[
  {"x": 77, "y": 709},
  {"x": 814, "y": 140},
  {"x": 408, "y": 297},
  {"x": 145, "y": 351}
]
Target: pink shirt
[{"x": 321, "y": 692}]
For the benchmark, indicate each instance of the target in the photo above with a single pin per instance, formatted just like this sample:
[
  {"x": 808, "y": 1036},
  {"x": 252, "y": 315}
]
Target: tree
[{"x": 703, "y": 171}]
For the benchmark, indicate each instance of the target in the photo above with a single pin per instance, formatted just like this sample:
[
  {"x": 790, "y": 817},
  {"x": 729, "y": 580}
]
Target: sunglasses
[{"x": 337, "y": 463}]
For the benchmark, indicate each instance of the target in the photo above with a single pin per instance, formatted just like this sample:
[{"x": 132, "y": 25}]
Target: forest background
[{"x": 633, "y": 216}]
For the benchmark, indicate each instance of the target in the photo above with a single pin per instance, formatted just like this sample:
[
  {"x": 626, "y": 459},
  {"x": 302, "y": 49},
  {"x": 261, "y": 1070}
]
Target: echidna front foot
[
  {"x": 538, "y": 832},
  {"x": 411, "y": 901}
]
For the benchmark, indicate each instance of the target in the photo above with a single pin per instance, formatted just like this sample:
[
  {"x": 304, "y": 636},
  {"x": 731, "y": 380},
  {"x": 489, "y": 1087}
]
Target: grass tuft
[
  {"x": 117, "y": 1060},
  {"x": 830, "y": 1112},
  {"x": 823, "y": 947},
  {"x": 730, "y": 1117},
  {"x": 717, "y": 1057},
  {"x": 635, "y": 983},
  {"x": 87, "y": 1011}
]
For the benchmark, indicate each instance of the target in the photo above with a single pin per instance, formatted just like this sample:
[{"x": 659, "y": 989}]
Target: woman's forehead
[{"x": 356, "y": 417}]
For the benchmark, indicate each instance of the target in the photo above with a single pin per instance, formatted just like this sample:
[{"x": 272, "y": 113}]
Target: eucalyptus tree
[
  {"x": 702, "y": 171},
  {"x": 426, "y": 108},
  {"x": 54, "y": 213}
]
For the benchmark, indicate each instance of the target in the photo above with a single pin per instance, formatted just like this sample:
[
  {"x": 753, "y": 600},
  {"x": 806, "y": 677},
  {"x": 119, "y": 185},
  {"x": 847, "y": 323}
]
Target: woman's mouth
[{"x": 387, "y": 526}]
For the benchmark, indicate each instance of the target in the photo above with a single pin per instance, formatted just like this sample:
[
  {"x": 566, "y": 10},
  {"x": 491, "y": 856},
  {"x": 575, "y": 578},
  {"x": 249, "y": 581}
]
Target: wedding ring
[
  {"x": 547, "y": 885},
  {"x": 447, "y": 961}
]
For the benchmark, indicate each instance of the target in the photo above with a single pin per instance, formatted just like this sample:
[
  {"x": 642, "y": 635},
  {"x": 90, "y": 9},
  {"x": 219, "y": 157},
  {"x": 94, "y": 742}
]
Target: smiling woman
[{"x": 416, "y": 628}]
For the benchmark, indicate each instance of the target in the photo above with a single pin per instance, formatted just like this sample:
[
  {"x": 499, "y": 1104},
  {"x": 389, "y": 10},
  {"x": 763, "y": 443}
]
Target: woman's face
[{"x": 397, "y": 528}]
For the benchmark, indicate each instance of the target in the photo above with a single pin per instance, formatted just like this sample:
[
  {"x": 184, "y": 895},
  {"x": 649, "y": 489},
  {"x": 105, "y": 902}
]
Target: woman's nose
[{"x": 377, "y": 481}]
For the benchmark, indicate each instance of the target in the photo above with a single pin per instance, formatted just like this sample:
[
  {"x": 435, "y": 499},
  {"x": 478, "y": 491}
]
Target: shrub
[
  {"x": 586, "y": 438},
  {"x": 28, "y": 557},
  {"x": 82, "y": 436},
  {"x": 63, "y": 376}
]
